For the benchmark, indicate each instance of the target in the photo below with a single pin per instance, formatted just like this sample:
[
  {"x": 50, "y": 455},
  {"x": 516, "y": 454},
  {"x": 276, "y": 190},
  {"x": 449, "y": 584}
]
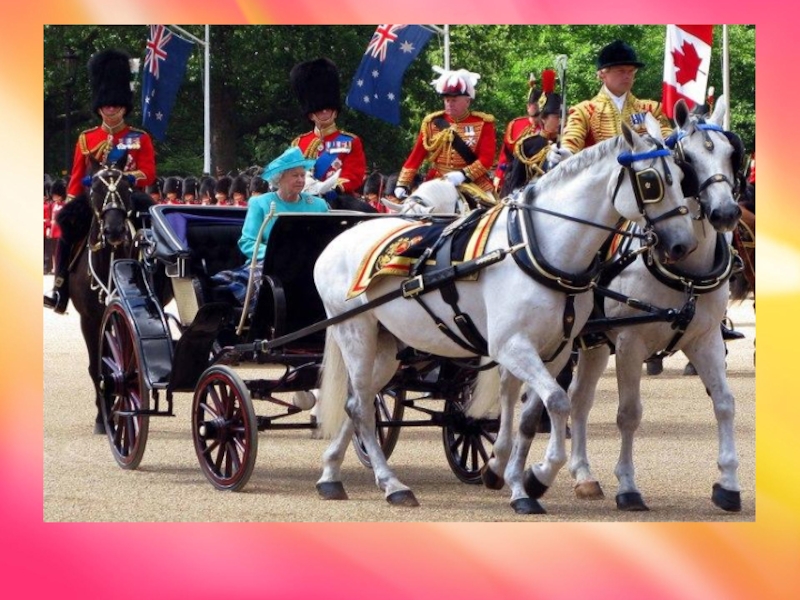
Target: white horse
[
  {"x": 511, "y": 310},
  {"x": 715, "y": 156},
  {"x": 436, "y": 196}
]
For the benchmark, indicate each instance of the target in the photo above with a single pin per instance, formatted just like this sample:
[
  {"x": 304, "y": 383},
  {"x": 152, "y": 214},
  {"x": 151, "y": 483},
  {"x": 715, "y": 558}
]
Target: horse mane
[
  {"x": 75, "y": 219},
  {"x": 579, "y": 163}
]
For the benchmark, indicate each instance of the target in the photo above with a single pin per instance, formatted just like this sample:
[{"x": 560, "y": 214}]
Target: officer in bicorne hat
[
  {"x": 458, "y": 143},
  {"x": 113, "y": 140},
  {"x": 316, "y": 85}
]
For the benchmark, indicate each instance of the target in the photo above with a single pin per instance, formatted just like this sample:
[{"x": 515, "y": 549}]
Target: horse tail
[
  {"x": 740, "y": 288},
  {"x": 486, "y": 397},
  {"x": 333, "y": 389}
]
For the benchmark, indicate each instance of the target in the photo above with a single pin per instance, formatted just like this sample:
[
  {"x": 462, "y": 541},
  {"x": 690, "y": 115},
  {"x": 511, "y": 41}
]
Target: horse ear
[
  {"x": 652, "y": 127},
  {"x": 681, "y": 113},
  {"x": 392, "y": 206},
  {"x": 720, "y": 109},
  {"x": 628, "y": 134}
]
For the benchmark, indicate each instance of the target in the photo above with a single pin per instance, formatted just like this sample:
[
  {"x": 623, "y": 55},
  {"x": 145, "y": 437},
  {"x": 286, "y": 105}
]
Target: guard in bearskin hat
[
  {"x": 458, "y": 143},
  {"x": 111, "y": 141},
  {"x": 173, "y": 190},
  {"x": 522, "y": 127},
  {"x": 238, "y": 192},
  {"x": 190, "y": 190},
  {"x": 601, "y": 118},
  {"x": 374, "y": 190},
  {"x": 207, "y": 188},
  {"x": 222, "y": 190},
  {"x": 316, "y": 85}
]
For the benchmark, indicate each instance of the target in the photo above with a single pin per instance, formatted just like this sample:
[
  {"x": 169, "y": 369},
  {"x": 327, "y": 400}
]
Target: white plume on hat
[{"x": 461, "y": 79}]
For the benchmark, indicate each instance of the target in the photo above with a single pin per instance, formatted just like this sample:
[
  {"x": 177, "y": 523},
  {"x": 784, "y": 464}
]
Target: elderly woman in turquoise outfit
[{"x": 287, "y": 175}]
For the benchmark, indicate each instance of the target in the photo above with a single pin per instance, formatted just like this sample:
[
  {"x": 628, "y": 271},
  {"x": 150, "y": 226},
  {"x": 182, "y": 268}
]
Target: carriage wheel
[
  {"x": 467, "y": 442},
  {"x": 124, "y": 390},
  {"x": 224, "y": 428},
  {"x": 388, "y": 407}
]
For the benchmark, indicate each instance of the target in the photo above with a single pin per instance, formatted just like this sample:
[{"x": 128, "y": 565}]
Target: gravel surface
[{"x": 675, "y": 457}]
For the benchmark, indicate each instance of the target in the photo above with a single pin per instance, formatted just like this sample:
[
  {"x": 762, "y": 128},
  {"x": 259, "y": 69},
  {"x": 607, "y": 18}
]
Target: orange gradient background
[{"x": 413, "y": 560}]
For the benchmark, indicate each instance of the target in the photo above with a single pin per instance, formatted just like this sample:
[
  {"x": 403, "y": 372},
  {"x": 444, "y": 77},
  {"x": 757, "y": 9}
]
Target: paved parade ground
[{"x": 675, "y": 454}]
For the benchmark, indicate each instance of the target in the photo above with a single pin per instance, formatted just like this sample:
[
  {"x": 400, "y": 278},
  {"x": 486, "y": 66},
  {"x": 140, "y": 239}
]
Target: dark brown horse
[{"x": 101, "y": 228}]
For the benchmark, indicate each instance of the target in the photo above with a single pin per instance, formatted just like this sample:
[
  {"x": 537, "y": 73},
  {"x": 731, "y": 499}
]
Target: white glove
[
  {"x": 455, "y": 177},
  {"x": 557, "y": 155},
  {"x": 400, "y": 192}
]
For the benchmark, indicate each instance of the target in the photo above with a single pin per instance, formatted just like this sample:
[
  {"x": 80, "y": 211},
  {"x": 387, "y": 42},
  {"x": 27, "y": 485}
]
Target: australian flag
[
  {"x": 376, "y": 85},
  {"x": 164, "y": 68}
]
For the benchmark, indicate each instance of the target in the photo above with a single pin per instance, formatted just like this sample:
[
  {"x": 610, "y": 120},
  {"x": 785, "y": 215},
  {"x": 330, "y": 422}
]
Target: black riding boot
[{"x": 60, "y": 298}]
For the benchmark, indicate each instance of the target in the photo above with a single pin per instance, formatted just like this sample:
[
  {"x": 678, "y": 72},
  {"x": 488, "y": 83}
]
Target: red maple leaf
[{"x": 686, "y": 62}]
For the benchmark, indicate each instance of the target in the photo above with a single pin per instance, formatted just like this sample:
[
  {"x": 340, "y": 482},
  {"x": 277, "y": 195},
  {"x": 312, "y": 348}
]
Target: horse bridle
[
  {"x": 111, "y": 201},
  {"x": 674, "y": 143},
  {"x": 648, "y": 185}
]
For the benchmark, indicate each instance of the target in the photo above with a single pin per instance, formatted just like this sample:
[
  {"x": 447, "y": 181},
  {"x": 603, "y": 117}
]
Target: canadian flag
[{"x": 687, "y": 58}]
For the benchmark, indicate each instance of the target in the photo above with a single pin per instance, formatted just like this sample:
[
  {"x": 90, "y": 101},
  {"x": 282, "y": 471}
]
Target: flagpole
[
  {"x": 206, "y": 96},
  {"x": 726, "y": 78},
  {"x": 445, "y": 33}
]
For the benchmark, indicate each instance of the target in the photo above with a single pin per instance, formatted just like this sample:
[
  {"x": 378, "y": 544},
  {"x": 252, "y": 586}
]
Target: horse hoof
[
  {"x": 491, "y": 479},
  {"x": 527, "y": 506},
  {"x": 589, "y": 490},
  {"x": 99, "y": 428},
  {"x": 726, "y": 499},
  {"x": 533, "y": 487},
  {"x": 402, "y": 498},
  {"x": 331, "y": 490},
  {"x": 631, "y": 502}
]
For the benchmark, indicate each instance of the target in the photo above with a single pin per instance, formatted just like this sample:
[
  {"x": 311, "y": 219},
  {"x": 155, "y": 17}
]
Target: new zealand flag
[
  {"x": 164, "y": 68},
  {"x": 376, "y": 85}
]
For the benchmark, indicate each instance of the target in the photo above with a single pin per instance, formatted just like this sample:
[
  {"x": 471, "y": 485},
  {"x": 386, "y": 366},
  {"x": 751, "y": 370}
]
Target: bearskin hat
[
  {"x": 190, "y": 186},
  {"x": 207, "y": 187},
  {"x": 59, "y": 188},
  {"x": 257, "y": 184},
  {"x": 375, "y": 184},
  {"x": 223, "y": 185},
  {"x": 173, "y": 185},
  {"x": 617, "y": 53},
  {"x": 110, "y": 78},
  {"x": 316, "y": 85},
  {"x": 239, "y": 184}
]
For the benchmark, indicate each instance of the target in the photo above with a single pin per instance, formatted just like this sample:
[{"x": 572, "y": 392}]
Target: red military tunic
[
  {"x": 334, "y": 149},
  {"x": 435, "y": 145},
  {"x": 515, "y": 130},
  {"x": 99, "y": 142}
]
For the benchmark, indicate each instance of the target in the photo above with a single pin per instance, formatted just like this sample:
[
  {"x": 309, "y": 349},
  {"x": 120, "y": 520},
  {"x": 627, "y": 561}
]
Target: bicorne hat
[
  {"x": 316, "y": 85},
  {"x": 617, "y": 53},
  {"x": 552, "y": 106},
  {"x": 455, "y": 83},
  {"x": 110, "y": 78}
]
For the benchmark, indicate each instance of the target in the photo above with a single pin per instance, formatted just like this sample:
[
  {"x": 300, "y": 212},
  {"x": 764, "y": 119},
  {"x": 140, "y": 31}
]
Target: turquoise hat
[{"x": 290, "y": 159}]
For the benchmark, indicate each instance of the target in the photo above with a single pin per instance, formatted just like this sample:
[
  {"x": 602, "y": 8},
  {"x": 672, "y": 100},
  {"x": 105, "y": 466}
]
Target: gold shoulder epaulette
[
  {"x": 482, "y": 115},
  {"x": 352, "y": 135},
  {"x": 430, "y": 117}
]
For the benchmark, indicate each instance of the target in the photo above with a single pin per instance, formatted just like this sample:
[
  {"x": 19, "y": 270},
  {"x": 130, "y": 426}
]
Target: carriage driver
[
  {"x": 112, "y": 99},
  {"x": 458, "y": 143}
]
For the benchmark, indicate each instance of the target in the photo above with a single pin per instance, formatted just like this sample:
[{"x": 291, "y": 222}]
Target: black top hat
[
  {"x": 110, "y": 78},
  {"x": 316, "y": 84},
  {"x": 617, "y": 53},
  {"x": 552, "y": 106}
]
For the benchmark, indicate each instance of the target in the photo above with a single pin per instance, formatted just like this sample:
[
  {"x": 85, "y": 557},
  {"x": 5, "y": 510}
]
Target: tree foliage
[{"x": 254, "y": 114}]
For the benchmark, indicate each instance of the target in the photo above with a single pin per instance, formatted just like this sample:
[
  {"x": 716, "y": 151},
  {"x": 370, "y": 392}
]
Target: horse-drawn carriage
[
  {"x": 148, "y": 355},
  {"x": 312, "y": 260}
]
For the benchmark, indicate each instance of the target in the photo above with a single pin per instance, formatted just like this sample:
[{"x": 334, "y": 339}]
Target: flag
[
  {"x": 687, "y": 58},
  {"x": 376, "y": 85},
  {"x": 164, "y": 68}
]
